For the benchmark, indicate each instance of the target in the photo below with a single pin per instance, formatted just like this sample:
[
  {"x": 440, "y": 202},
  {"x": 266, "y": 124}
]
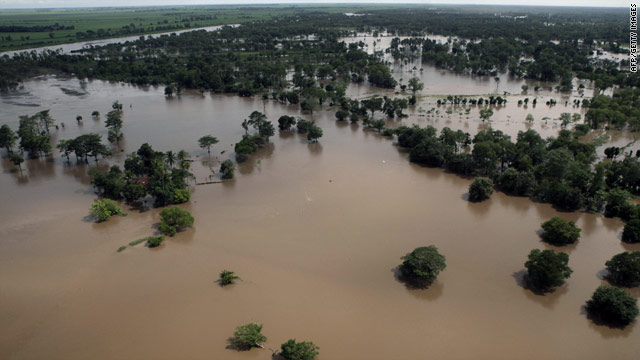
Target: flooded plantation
[{"x": 315, "y": 232}]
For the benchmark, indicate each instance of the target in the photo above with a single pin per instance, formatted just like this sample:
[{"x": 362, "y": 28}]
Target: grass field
[{"x": 100, "y": 23}]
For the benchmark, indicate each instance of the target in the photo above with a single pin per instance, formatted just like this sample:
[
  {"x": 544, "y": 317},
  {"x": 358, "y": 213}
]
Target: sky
[{"x": 8, "y": 4}]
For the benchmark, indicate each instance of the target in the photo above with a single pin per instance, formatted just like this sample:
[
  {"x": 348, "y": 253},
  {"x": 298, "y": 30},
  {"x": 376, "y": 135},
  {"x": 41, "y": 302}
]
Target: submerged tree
[
  {"x": 559, "y": 231},
  {"x": 415, "y": 85},
  {"x": 7, "y": 138},
  {"x": 114, "y": 124},
  {"x": 480, "y": 189},
  {"x": 227, "y": 169},
  {"x": 17, "y": 160},
  {"x": 422, "y": 266},
  {"x": 613, "y": 306},
  {"x": 174, "y": 219},
  {"x": 547, "y": 269},
  {"x": 304, "y": 350},
  {"x": 206, "y": 141},
  {"x": 624, "y": 269}
]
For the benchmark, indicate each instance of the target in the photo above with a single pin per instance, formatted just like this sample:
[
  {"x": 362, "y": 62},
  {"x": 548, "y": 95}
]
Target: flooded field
[{"x": 314, "y": 231}]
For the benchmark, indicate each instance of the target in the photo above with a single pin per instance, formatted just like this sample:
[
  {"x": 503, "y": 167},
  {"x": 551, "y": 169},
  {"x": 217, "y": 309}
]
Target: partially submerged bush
[
  {"x": 305, "y": 350},
  {"x": 248, "y": 336},
  {"x": 174, "y": 219},
  {"x": 559, "y": 231},
  {"x": 154, "y": 241},
  {"x": 103, "y": 209},
  {"x": 480, "y": 189},
  {"x": 227, "y": 169},
  {"x": 227, "y": 278}
]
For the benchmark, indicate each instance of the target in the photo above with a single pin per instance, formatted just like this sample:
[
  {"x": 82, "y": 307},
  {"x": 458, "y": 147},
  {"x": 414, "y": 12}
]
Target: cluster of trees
[
  {"x": 250, "y": 335},
  {"x": 620, "y": 111},
  {"x": 83, "y": 146},
  {"x": 35, "y": 28},
  {"x": 250, "y": 143},
  {"x": 34, "y": 131},
  {"x": 146, "y": 172},
  {"x": 558, "y": 170}
]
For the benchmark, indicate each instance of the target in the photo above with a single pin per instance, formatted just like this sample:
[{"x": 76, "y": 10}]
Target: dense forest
[{"x": 255, "y": 58}]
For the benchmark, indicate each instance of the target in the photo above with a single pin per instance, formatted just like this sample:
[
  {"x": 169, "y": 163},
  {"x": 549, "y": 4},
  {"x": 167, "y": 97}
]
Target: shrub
[
  {"x": 559, "y": 231},
  {"x": 480, "y": 189},
  {"x": 103, "y": 209},
  {"x": 546, "y": 269},
  {"x": 631, "y": 232},
  {"x": 422, "y": 266},
  {"x": 154, "y": 241},
  {"x": 624, "y": 268},
  {"x": 292, "y": 350},
  {"x": 227, "y": 169},
  {"x": 613, "y": 306},
  {"x": 248, "y": 336},
  {"x": 174, "y": 219},
  {"x": 227, "y": 278}
]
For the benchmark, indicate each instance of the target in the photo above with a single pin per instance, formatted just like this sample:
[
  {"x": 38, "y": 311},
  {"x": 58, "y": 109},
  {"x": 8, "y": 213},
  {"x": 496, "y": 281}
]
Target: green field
[{"x": 100, "y": 23}]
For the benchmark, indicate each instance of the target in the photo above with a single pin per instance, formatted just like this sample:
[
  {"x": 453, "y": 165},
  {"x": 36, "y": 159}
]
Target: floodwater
[{"x": 314, "y": 231}]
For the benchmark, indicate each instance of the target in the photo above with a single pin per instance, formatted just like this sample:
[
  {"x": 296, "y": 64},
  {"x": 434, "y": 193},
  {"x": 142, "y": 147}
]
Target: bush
[
  {"x": 103, "y": 209},
  {"x": 631, "y": 232},
  {"x": 154, "y": 241},
  {"x": 624, "y": 268},
  {"x": 422, "y": 266},
  {"x": 559, "y": 231},
  {"x": 227, "y": 169},
  {"x": 248, "y": 336},
  {"x": 613, "y": 306},
  {"x": 292, "y": 350},
  {"x": 547, "y": 269},
  {"x": 480, "y": 189},
  {"x": 227, "y": 278},
  {"x": 174, "y": 219}
]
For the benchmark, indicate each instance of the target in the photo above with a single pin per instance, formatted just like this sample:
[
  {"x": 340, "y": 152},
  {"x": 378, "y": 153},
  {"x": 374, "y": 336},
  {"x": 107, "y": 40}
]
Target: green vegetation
[
  {"x": 613, "y": 306},
  {"x": 305, "y": 350},
  {"x": 547, "y": 269},
  {"x": 174, "y": 219},
  {"x": 248, "y": 336},
  {"x": 250, "y": 143},
  {"x": 83, "y": 147},
  {"x": 154, "y": 241},
  {"x": 103, "y": 209},
  {"x": 631, "y": 232},
  {"x": 314, "y": 132},
  {"x": 7, "y": 138},
  {"x": 139, "y": 241},
  {"x": 227, "y": 169},
  {"x": 559, "y": 231},
  {"x": 206, "y": 141},
  {"x": 624, "y": 269},
  {"x": 227, "y": 278},
  {"x": 114, "y": 123},
  {"x": 146, "y": 172},
  {"x": 285, "y": 122},
  {"x": 480, "y": 189},
  {"x": 422, "y": 266}
]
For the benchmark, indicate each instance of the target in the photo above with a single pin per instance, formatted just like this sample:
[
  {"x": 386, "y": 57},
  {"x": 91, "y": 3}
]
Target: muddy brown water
[{"x": 314, "y": 231}]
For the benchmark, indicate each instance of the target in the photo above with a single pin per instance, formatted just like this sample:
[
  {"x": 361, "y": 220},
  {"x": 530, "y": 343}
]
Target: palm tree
[
  {"x": 170, "y": 157},
  {"x": 182, "y": 159}
]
